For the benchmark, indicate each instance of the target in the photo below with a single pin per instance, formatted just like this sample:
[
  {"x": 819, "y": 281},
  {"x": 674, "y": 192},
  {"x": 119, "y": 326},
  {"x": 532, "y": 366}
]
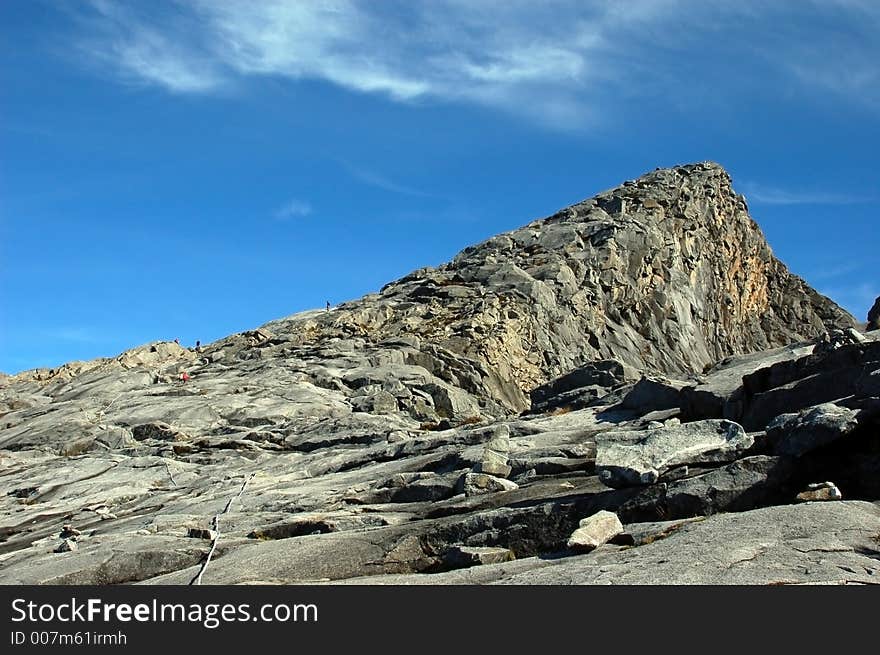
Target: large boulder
[
  {"x": 654, "y": 393},
  {"x": 801, "y": 432},
  {"x": 627, "y": 458},
  {"x": 451, "y": 402},
  {"x": 460, "y": 557},
  {"x": 838, "y": 338}
]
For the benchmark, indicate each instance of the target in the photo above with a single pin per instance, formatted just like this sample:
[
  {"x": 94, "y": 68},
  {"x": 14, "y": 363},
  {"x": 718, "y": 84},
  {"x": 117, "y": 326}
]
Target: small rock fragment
[
  {"x": 66, "y": 546},
  {"x": 482, "y": 483},
  {"x": 465, "y": 556},
  {"x": 594, "y": 531},
  {"x": 104, "y": 513},
  {"x": 69, "y": 532},
  {"x": 820, "y": 491},
  {"x": 201, "y": 533}
]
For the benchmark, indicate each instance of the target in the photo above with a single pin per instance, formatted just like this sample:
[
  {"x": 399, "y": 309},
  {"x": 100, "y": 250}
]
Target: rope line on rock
[{"x": 215, "y": 525}]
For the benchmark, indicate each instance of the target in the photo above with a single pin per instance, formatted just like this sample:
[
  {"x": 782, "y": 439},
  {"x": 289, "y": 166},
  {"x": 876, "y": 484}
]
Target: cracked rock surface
[{"x": 640, "y": 353}]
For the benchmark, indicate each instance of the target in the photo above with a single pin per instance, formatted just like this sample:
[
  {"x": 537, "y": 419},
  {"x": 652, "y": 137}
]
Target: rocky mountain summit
[{"x": 631, "y": 390}]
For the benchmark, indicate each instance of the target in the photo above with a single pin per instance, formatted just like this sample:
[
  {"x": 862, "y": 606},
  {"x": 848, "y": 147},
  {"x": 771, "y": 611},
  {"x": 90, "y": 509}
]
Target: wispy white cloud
[
  {"x": 375, "y": 179},
  {"x": 764, "y": 195},
  {"x": 293, "y": 209},
  {"x": 141, "y": 50},
  {"x": 839, "y": 56},
  {"x": 559, "y": 62}
]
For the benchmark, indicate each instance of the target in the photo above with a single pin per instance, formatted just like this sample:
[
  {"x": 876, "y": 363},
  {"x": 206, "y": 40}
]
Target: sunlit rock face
[
  {"x": 668, "y": 273},
  {"x": 396, "y": 435}
]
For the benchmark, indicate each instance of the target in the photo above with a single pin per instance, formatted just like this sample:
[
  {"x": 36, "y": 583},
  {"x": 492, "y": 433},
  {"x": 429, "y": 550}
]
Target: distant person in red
[{"x": 184, "y": 377}]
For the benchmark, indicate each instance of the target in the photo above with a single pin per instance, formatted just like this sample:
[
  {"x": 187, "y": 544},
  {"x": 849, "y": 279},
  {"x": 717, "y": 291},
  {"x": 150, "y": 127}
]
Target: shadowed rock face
[
  {"x": 382, "y": 437},
  {"x": 874, "y": 316}
]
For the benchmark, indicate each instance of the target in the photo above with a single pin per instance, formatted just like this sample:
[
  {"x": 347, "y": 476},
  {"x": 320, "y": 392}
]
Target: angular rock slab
[
  {"x": 800, "y": 432},
  {"x": 821, "y": 377},
  {"x": 495, "y": 453},
  {"x": 581, "y": 386},
  {"x": 742, "y": 485},
  {"x": 625, "y": 459},
  {"x": 594, "y": 531},
  {"x": 654, "y": 393}
]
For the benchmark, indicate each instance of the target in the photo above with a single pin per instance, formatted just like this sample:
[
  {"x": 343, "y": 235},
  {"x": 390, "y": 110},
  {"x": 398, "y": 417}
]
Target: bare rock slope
[
  {"x": 471, "y": 415},
  {"x": 667, "y": 273}
]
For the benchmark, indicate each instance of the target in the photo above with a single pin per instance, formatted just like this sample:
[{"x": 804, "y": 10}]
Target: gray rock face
[
  {"x": 741, "y": 485},
  {"x": 718, "y": 393},
  {"x": 623, "y": 276},
  {"x": 831, "y": 376},
  {"x": 769, "y": 546},
  {"x": 581, "y": 387},
  {"x": 637, "y": 458},
  {"x": 376, "y": 439}
]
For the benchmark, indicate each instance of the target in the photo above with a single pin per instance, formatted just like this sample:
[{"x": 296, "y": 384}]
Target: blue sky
[{"x": 192, "y": 169}]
